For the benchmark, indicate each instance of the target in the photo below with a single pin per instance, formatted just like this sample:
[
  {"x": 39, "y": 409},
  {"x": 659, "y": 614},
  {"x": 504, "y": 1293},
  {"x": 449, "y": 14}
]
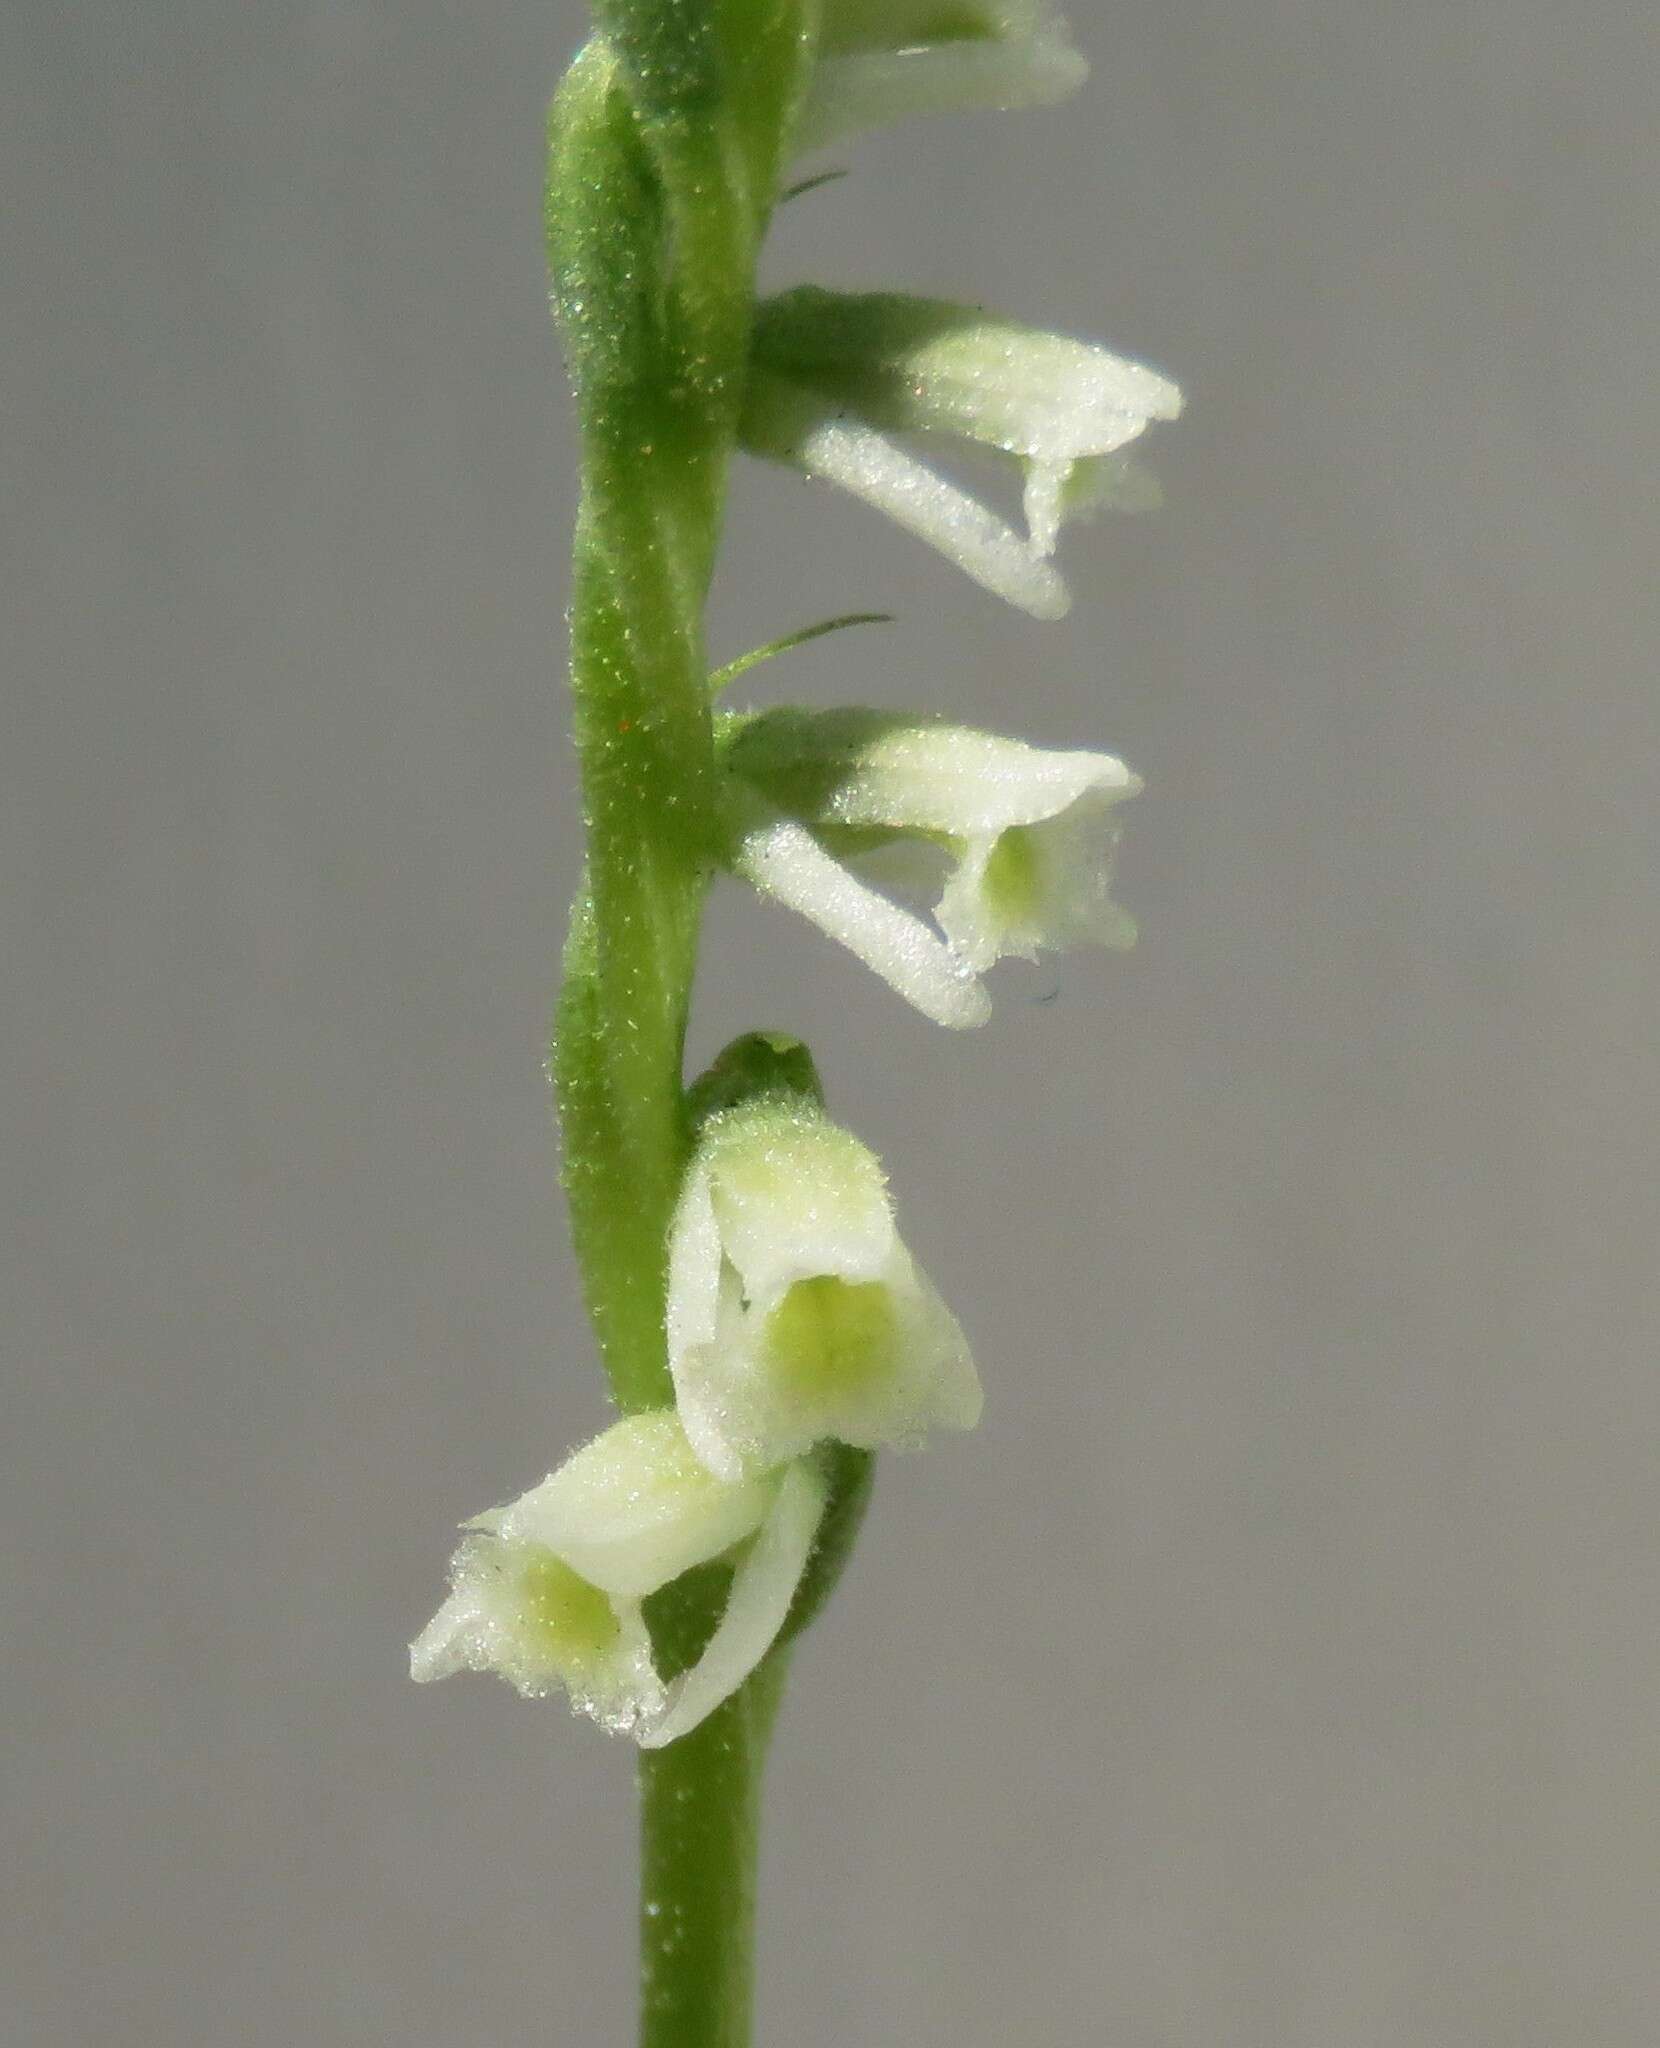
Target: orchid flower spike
[
  {"x": 795, "y": 1313},
  {"x": 548, "y": 1591},
  {"x": 1022, "y": 836},
  {"x": 835, "y": 375},
  {"x": 880, "y": 60}
]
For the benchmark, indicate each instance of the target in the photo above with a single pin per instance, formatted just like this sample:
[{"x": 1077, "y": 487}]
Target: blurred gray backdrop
[{"x": 1277, "y": 1668}]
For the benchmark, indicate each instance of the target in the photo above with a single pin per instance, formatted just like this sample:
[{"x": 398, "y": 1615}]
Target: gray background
[{"x": 1277, "y": 1668}]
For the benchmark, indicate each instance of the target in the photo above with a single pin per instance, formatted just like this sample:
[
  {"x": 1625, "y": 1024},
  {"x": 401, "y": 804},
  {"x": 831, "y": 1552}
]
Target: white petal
[
  {"x": 851, "y": 94},
  {"x": 906, "y": 364},
  {"x": 444, "y": 1646},
  {"x": 1045, "y": 396},
  {"x": 763, "y": 1587},
  {"x": 869, "y": 769},
  {"x": 871, "y": 467},
  {"x": 795, "y": 1198},
  {"x": 794, "y": 1194},
  {"x": 936, "y": 1387},
  {"x": 785, "y": 860},
  {"x": 694, "y": 1263},
  {"x": 942, "y": 1389},
  {"x": 1044, "y": 503},
  {"x": 636, "y": 1507},
  {"x": 789, "y": 422},
  {"x": 1063, "y": 896},
  {"x": 954, "y": 780},
  {"x": 717, "y": 1400}
]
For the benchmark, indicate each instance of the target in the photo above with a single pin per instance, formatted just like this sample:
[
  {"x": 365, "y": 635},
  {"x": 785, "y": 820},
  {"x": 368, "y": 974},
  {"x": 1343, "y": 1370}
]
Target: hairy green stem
[
  {"x": 665, "y": 149},
  {"x": 699, "y": 1840}
]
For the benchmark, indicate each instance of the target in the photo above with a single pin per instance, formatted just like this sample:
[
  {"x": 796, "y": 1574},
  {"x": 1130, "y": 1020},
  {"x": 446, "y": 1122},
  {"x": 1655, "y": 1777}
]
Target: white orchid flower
[
  {"x": 795, "y": 1313},
  {"x": 548, "y": 1590},
  {"x": 837, "y": 374},
  {"x": 880, "y": 60},
  {"x": 1023, "y": 836}
]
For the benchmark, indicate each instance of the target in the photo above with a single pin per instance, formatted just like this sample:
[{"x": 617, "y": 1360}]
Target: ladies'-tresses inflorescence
[
  {"x": 1016, "y": 840},
  {"x": 739, "y": 1249}
]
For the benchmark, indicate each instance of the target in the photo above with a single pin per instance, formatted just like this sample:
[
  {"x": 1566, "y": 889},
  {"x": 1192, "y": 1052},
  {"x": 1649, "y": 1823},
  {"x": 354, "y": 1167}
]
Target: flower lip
[{"x": 518, "y": 1610}]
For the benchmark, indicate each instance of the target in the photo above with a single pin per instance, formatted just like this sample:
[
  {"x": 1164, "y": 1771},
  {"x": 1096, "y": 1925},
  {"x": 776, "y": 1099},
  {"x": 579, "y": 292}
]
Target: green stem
[
  {"x": 699, "y": 1830},
  {"x": 666, "y": 143}
]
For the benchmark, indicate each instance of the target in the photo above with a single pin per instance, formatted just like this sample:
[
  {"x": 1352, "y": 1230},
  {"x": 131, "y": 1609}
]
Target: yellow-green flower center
[
  {"x": 572, "y": 1621},
  {"x": 831, "y": 1339},
  {"x": 1013, "y": 876}
]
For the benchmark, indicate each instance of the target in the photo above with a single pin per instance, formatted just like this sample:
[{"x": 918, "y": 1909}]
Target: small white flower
[
  {"x": 795, "y": 1313},
  {"x": 1024, "y": 835},
  {"x": 548, "y": 1590},
  {"x": 837, "y": 374},
  {"x": 881, "y": 60}
]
